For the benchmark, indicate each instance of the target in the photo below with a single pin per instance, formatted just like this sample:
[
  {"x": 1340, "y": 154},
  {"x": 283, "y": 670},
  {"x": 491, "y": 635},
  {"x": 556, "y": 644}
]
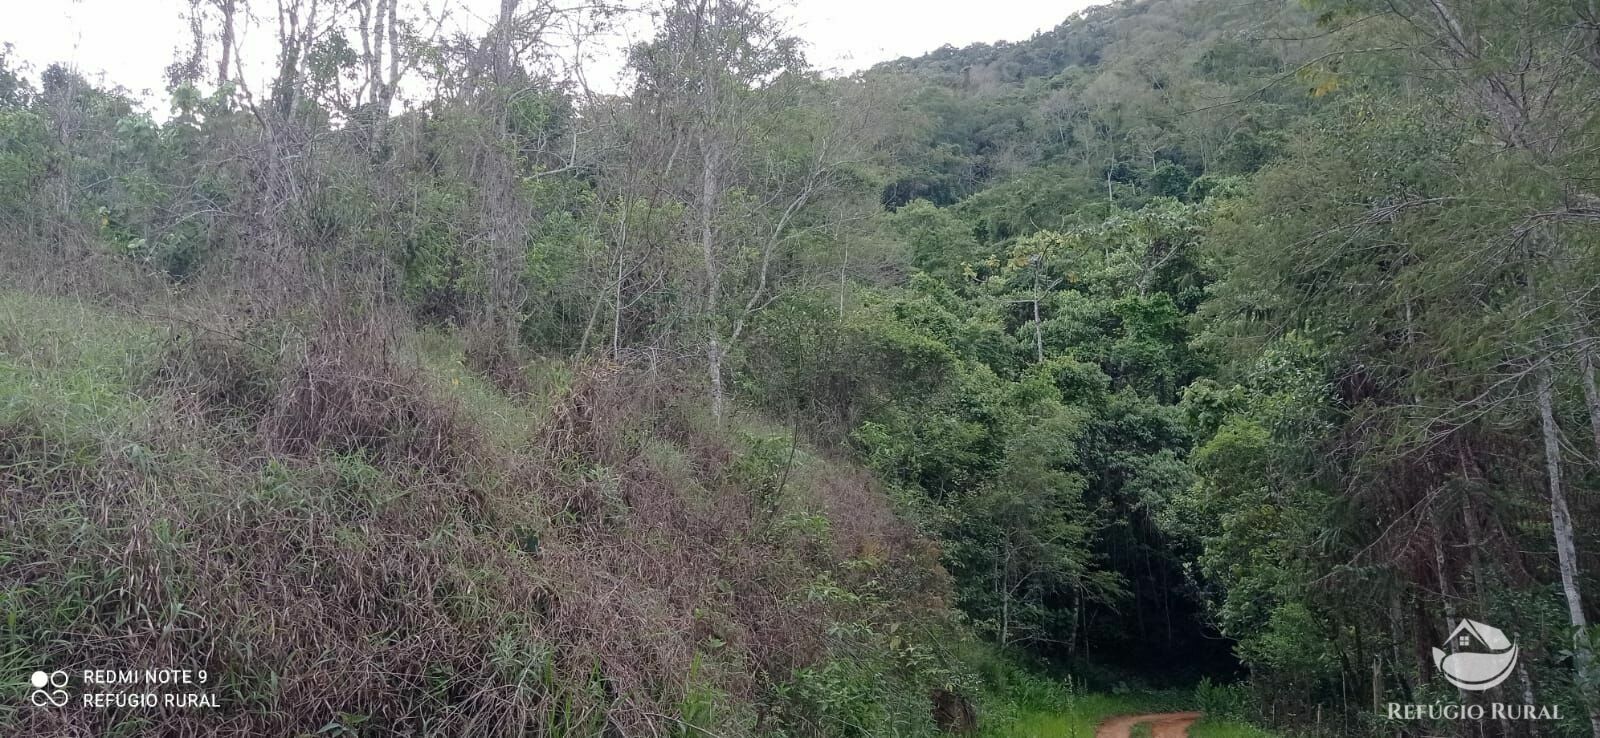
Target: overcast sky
[{"x": 132, "y": 41}]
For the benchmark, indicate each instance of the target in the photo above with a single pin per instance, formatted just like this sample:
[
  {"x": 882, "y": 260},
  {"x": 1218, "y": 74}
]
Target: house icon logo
[{"x": 1480, "y": 656}]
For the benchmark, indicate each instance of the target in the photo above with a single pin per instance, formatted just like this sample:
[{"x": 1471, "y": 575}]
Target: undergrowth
[{"x": 357, "y": 531}]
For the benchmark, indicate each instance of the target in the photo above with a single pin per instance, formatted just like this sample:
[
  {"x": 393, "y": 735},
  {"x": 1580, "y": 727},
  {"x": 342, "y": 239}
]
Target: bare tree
[{"x": 718, "y": 84}]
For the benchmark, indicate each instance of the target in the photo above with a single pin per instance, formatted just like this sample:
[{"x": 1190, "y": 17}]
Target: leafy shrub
[{"x": 1224, "y": 701}]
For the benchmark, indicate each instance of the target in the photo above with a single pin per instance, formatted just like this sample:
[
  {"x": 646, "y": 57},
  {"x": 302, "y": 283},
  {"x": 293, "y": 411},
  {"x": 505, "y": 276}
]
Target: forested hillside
[{"x": 1194, "y": 355}]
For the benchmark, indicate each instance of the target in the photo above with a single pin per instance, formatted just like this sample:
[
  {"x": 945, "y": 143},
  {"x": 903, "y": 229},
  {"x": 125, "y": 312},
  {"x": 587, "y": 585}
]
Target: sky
[{"x": 131, "y": 42}]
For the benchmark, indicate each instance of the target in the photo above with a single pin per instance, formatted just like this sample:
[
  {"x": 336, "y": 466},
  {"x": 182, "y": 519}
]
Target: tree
[{"x": 721, "y": 85}]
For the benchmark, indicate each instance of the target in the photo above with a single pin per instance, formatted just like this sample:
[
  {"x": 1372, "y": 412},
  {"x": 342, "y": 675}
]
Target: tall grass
[{"x": 359, "y": 532}]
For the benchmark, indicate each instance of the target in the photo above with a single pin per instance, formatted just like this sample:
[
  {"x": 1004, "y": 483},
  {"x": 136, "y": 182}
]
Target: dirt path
[{"x": 1162, "y": 725}]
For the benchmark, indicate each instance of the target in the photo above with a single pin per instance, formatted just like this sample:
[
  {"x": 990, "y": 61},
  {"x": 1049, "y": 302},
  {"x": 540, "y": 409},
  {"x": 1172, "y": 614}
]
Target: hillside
[
  {"x": 363, "y": 533},
  {"x": 1196, "y": 367}
]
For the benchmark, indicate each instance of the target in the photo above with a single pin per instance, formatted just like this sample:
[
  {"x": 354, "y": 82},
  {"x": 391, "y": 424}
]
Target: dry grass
[{"x": 328, "y": 531}]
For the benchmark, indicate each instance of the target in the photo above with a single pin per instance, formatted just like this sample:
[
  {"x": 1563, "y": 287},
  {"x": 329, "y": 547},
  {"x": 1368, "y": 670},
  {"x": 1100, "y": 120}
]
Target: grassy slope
[{"x": 370, "y": 544}]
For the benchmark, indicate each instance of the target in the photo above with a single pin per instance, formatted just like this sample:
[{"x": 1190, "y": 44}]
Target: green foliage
[
  {"x": 1180, "y": 328},
  {"x": 879, "y": 670},
  {"x": 1035, "y": 442},
  {"x": 940, "y": 242},
  {"x": 24, "y": 148},
  {"x": 1223, "y": 701}
]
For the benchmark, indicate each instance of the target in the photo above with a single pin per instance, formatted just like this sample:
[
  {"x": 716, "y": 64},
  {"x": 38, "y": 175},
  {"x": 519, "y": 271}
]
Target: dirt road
[{"x": 1162, "y": 725}]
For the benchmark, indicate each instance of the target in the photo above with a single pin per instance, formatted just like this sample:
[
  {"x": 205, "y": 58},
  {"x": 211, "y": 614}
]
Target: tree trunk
[
  {"x": 1561, "y": 523},
  {"x": 226, "y": 41},
  {"x": 1377, "y": 684},
  {"x": 1527, "y": 696},
  {"x": 1038, "y": 337},
  {"x": 708, "y": 247},
  {"x": 1560, "y": 516},
  {"x": 844, "y": 261},
  {"x": 1591, "y": 396},
  {"x": 616, "y": 311}
]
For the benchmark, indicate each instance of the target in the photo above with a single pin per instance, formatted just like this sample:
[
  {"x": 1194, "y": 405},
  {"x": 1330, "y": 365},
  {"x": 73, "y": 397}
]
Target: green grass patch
[
  {"x": 505, "y": 422},
  {"x": 1078, "y": 717},
  {"x": 1219, "y": 728},
  {"x": 1027, "y": 704},
  {"x": 1075, "y": 717},
  {"x": 72, "y": 367}
]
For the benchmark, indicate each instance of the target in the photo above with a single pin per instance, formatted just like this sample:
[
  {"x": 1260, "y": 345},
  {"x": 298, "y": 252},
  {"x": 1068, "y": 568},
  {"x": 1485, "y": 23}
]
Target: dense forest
[{"x": 1195, "y": 354}]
